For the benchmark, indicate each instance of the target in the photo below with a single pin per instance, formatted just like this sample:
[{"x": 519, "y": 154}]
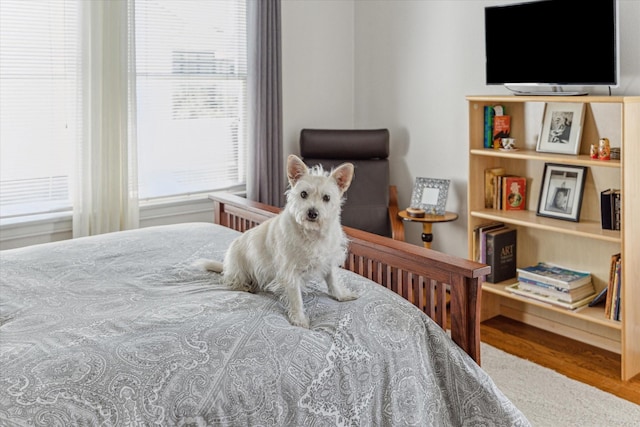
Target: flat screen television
[{"x": 553, "y": 43}]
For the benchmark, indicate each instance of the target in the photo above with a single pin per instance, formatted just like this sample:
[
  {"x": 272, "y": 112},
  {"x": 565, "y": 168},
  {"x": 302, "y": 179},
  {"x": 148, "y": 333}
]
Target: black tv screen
[{"x": 552, "y": 42}]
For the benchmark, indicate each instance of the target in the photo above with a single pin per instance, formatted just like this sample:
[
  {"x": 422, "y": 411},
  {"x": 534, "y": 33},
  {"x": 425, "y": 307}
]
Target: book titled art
[{"x": 501, "y": 254}]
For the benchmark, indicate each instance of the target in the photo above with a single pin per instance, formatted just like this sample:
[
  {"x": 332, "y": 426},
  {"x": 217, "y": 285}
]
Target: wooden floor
[{"x": 576, "y": 360}]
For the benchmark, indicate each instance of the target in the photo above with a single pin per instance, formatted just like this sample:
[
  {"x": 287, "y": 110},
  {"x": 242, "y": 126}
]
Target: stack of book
[
  {"x": 503, "y": 191},
  {"x": 497, "y": 125},
  {"x": 495, "y": 244},
  {"x": 555, "y": 285},
  {"x": 612, "y": 304}
]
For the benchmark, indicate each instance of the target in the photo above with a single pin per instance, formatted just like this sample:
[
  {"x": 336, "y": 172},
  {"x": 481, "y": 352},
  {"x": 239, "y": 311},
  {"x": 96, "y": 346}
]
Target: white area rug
[{"x": 548, "y": 398}]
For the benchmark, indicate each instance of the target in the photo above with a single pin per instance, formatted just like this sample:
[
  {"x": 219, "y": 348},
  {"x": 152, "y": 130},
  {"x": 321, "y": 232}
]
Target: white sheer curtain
[{"x": 106, "y": 183}]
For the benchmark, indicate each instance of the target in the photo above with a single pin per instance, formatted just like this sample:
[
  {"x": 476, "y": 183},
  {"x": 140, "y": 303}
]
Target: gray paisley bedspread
[{"x": 121, "y": 330}]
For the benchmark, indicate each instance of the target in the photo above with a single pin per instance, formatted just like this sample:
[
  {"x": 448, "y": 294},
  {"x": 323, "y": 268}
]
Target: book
[
  {"x": 615, "y": 303},
  {"x": 614, "y": 293},
  {"x": 601, "y": 297},
  {"x": 610, "y": 208},
  {"x": 616, "y": 220},
  {"x": 489, "y": 113},
  {"x": 515, "y": 288},
  {"x": 562, "y": 295},
  {"x": 514, "y": 193},
  {"x": 555, "y": 275},
  {"x": 606, "y": 209},
  {"x": 476, "y": 237},
  {"x": 482, "y": 239},
  {"x": 490, "y": 185},
  {"x": 501, "y": 255},
  {"x": 554, "y": 287},
  {"x": 611, "y": 284},
  {"x": 501, "y": 129},
  {"x": 497, "y": 197}
]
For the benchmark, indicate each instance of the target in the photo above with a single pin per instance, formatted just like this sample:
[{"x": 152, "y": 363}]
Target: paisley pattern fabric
[{"x": 121, "y": 330}]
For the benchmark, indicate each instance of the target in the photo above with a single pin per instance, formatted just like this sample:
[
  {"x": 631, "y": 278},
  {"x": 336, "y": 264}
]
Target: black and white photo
[
  {"x": 561, "y": 128},
  {"x": 561, "y": 192}
]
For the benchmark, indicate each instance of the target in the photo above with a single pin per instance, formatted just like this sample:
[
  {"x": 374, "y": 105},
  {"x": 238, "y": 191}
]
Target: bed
[{"x": 121, "y": 330}]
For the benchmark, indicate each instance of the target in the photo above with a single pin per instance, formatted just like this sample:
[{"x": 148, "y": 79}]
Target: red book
[
  {"x": 501, "y": 129},
  {"x": 514, "y": 193}
]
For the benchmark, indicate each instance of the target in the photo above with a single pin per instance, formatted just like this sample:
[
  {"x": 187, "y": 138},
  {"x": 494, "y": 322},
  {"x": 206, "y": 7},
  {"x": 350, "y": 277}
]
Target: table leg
[{"x": 427, "y": 235}]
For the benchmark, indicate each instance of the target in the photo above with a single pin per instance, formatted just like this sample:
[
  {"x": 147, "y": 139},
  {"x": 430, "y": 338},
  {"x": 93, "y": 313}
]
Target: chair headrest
[{"x": 347, "y": 144}]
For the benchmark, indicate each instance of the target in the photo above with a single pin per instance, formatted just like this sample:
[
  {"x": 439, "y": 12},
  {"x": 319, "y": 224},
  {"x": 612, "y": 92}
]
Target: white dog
[{"x": 303, "y": 242}]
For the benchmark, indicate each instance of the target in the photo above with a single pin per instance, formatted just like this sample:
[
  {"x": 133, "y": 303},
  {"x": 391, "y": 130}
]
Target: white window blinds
[
  {"x": 191, "y": 95},
  {"x": 189, "y": 115},
  {"x": 40, "y": 118}
]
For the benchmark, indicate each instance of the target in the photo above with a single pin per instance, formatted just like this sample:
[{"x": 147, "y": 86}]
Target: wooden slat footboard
[{"x": 420, "y": 275}]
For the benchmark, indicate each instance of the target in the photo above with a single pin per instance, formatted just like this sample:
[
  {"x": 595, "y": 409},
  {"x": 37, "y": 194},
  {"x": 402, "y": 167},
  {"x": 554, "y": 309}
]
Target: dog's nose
[{"x": 312, "y": 214}]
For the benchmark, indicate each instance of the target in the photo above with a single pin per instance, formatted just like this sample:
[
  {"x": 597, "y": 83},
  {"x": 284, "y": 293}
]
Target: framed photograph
[
  {"x": 561, "y": 192},
  {"x": 561, "y": 127},
  {"x": 430, "y": 194}
]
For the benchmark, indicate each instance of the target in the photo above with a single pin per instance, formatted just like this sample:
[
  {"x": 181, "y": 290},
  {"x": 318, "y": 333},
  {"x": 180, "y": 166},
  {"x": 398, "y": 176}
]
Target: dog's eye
[
  {"x": 303, "y": 194},
  {"x": 326, "y": 198}
]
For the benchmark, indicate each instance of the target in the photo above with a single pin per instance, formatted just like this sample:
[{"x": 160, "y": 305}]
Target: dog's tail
[{"x": 209, "y": 264}]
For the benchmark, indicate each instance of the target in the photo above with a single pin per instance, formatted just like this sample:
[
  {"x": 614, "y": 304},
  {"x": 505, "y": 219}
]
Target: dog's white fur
[{"x": 303, "y": 242}]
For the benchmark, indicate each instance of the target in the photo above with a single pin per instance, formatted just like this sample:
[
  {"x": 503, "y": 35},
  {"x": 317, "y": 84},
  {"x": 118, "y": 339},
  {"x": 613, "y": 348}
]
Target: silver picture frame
[{"x": 431, "y": 195}]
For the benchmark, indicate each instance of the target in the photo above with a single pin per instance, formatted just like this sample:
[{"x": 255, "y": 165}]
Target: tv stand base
[{"x": 554, "y": 91}]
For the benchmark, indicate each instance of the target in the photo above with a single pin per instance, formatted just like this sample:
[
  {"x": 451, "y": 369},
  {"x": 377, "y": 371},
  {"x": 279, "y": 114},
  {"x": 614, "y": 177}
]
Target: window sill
[
  {"x": 34, "y": 220},
  {"x": 28, "y": 230}
]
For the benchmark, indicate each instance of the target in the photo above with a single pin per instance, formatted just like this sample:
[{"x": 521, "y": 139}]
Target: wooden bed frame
[{"x": 422, "y": 276}]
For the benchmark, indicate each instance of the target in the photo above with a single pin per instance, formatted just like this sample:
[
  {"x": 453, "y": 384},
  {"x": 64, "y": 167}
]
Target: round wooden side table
[{"x": 427, "y": 223}]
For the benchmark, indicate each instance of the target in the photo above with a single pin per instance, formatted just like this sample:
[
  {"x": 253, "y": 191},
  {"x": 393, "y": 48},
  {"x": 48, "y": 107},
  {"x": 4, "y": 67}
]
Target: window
[
  {"x": 40, "y": 110},
  {"x": 191, "y": 90},
  {"x": 191, "y": 96}
]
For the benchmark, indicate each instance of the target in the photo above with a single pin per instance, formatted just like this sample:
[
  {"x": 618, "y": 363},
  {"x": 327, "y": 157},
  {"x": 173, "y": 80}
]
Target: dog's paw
[
  {"x": 301, "y": 321},
  {"x": 342, "y": 293},
  {"x": 347, "y": 295}
]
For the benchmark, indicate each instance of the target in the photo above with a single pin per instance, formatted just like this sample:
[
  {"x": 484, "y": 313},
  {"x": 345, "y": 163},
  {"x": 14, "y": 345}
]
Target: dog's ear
[
  {"x": 343, "y": 175},
  {"x": 296, "y": 169}
]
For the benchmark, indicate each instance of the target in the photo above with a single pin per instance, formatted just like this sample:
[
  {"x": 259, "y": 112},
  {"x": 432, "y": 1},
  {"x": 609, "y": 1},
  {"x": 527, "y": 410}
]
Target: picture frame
[
  {"x": 561, "y": 130},
  {"x": 561, "y": 192},
  {"x": 430, "y": 194}
]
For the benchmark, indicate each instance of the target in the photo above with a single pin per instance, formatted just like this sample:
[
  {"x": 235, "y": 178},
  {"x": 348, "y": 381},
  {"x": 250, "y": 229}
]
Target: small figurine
[
  {"x": 593, "y": 152},
  {"x": 604, "y": 149}
]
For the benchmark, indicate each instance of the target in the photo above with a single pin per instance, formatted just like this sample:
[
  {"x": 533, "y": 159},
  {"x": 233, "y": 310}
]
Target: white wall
[
  {"x": 412, "y": 64},
  {"x": 318, "y": 66},
  {"x": 402, "y": 64}
]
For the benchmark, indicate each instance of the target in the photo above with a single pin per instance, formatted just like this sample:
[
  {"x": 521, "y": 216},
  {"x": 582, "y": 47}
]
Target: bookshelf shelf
[
  {"x": 580, "y": 160},
  {"x": 590, "y": 314},
  {"x": 588, "y": 229},
  {"x": 581, "y": 245}
]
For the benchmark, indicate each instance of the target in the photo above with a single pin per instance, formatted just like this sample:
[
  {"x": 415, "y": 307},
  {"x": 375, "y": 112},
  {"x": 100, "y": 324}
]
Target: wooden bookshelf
[{"x": 581, "y": 245}]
